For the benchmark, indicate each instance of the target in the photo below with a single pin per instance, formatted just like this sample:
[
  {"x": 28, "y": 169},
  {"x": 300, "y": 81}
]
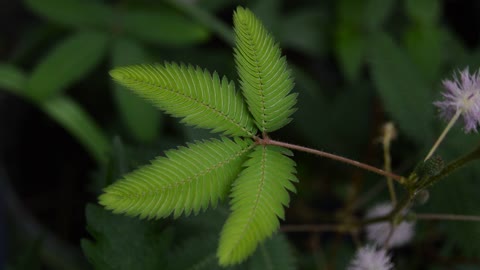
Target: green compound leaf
[
  {"x": 68, "y": 62},
  {"x": 187, "y": 179},
  {"x": 202, "y": 99},
  {"x": 265, "y": 78},
  {"x": 141, "y": 118},
  {"x": 258, "y": 197}
]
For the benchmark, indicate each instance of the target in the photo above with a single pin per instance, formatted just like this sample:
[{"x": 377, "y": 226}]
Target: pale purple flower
[
  {"x": 379, "y": 232},
  {"x": 462, "y": 94},
  {"x": 371, "y": 258}
]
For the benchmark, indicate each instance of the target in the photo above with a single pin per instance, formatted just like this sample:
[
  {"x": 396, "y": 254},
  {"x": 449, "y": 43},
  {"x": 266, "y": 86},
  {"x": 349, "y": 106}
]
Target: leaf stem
[
  {"x": 352, "y": 162},
  {"x": 448, "y": 217},
  {"x": 316, "y": 228},
  {"x": 444, "y": 133}
]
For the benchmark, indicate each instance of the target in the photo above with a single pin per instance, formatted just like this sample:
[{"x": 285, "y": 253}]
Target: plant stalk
[
  {"x": 389, "y": 133},
  {"x": 444, "y": 133},
  {"x": 448, "y": 217},
  {"x": 268, "y": 141}
]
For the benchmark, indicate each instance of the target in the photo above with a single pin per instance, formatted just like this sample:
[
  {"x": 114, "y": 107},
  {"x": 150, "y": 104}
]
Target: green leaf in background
[
  {"x": 356, "y": 21},
  {"x": 214, "y": 5},
  {"x": 274, "y": 254},
  {"x": 316, "y": 126},
  {"x": 140, "y": 117},
  {"x": 76, "y": 13},
  {"x": 122, "y": 243},
  {"x": 209, "y": 222},
  {"x": 12, "y": 79},
  {"x": 425, "y": 44},
  {"x": 197, "y": 253},
  {"x": 202, "y": 231},
  {"x": 27, "y": 47},
  {"x": 163, "y": 26},
  {"x": 424, "y": 12},
  {"x": 376, "y": 12},
  {"x": 68, "y": 62},
  {"x": 269, "y": 12},
  {"x": 458, "y": 54},
  {"x": 198, "y": 246},
  {"x": 349, "y": 39},
  {"x": 313, "y": 120},
  {"x": 72, "y": 117},
  {"x": 405, "y": 94},
  {"x": 350, "y": 12},
  {"x": 198, "y": 12},
  {"x": 305, "y": 30},
  {"x": 350, "y": 47}
]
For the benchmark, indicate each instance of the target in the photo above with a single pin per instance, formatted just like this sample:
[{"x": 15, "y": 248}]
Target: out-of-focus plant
[{"x": 96, "y": 29}]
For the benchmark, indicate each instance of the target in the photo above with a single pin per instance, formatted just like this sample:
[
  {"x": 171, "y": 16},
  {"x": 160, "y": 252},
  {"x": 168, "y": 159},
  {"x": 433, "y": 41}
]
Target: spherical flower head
[
  {"x": 380, "y": 232},
  {"x": 371, "y": 258},
  {"x": 462, "y": 94}
]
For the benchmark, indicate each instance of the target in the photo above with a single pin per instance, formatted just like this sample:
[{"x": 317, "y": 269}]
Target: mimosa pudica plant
[{"x": 258, "y": 176}]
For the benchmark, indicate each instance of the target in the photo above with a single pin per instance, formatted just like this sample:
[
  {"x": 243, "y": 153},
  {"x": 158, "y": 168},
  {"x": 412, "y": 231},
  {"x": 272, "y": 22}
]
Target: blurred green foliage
[{"x": 357, "y": 64}]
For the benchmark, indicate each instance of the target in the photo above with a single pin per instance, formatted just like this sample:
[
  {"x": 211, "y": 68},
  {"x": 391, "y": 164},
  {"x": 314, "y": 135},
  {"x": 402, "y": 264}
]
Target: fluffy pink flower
[
  {"x": 379, "y": 232},
  {"x": 462, "y": 94},
  {"x": 371, "y": 258}
]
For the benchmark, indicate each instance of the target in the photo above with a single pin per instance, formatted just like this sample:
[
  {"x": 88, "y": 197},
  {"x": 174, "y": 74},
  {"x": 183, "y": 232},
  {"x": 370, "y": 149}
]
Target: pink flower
[
  {"x": 379, "y": 232},
  {"x": 371, "y": 258},
  {"x": 462, "y": 94}
]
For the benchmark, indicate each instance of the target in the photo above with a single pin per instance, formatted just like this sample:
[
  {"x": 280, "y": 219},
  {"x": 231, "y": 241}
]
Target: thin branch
[
  {"x": 448, "y": 217},
  {"x": 316, "y": 228},
  {"x": 444, "y": 133},
  {"x": 332, "y": 156}
]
